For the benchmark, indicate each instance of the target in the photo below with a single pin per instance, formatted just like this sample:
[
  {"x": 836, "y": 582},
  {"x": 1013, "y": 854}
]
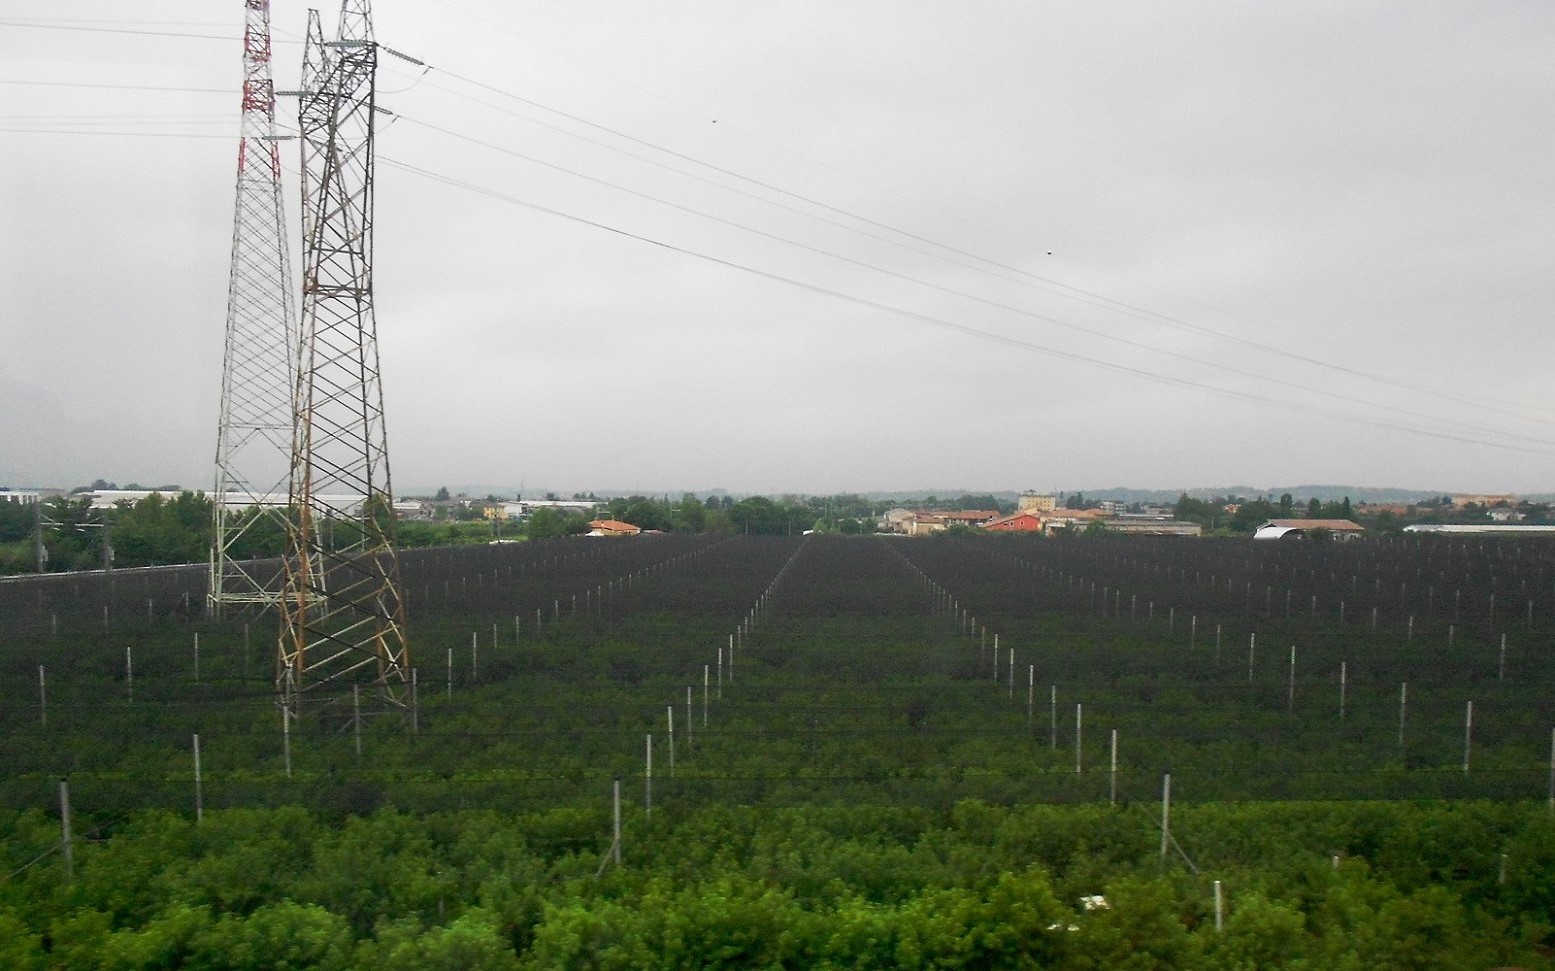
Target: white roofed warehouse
[{"x": 1308, "y": 528}]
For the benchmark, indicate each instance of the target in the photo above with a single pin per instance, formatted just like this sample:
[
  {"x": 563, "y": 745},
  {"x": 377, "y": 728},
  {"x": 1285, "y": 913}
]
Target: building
[
  {"x": 581, "y": 506},
  {"x": 517, "y": 509},
  {"x": 1473, "y": 528},
  {"x": 1151, "y": 526},
  {"x": 25, "y": 497},
  {"x": 1060, "y": 520},
  {"x": 970, "y": 517},
  {"x": 924, "y": 523},
  {"x": 341, "y": 504},
  {"x": 416, "y": 510},
  {"x": 1392, "y": 508},
  {"x": 1021, "y": 522},
  {"x": 612, "y": 527},
  {"x": 1487, "y": 501},
  {"x": 895, "y": 520},
  {"x": 1036, "y": 502},
  {"x": 1304, "y": 528}
]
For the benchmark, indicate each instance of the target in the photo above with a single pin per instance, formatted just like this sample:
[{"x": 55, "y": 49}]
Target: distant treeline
[{"x": 176, "y": 528}]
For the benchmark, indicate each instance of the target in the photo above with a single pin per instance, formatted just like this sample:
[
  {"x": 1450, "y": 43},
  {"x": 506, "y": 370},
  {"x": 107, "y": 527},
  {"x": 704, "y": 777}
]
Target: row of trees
[
  {"x": 1235, "y": 514},
  {"x": 160, "y": 529},
  {"x": 875, "y": 887},
  {"x": 1238, "y": 515},
  {"x": 819, "y": 817},
  {"x": 175, "y": 528}
]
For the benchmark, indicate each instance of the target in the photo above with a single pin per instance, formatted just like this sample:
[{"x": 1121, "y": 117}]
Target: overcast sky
[{"x": 894, "y": 245}]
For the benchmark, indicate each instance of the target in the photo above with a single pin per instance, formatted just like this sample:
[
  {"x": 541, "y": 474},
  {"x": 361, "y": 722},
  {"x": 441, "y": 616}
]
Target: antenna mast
[
  {"x": 342, "y": 613},
  {"x": 253, "y": 438}
]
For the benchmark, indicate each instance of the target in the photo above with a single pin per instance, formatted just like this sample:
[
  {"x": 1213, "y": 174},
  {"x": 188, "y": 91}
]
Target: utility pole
[
  {"x": 342, "y": 610},
  {"x": 258, "y": 378},
  {"x": 39, "y": 550}
]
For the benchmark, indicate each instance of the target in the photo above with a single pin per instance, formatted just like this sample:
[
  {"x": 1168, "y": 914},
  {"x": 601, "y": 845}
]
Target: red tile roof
[
  {"x": 1328, "y": 524},
  {"x": 613, "y": 525}
]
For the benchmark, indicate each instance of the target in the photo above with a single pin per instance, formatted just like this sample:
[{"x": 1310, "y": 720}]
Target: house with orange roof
[
  {"x": 612, "y": 527},
  {"x": 1021, "y": 522}
]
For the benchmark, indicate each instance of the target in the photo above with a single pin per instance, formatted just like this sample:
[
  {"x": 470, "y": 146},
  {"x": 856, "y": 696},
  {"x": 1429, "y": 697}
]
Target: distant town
[{"x": 104, "y": 525}]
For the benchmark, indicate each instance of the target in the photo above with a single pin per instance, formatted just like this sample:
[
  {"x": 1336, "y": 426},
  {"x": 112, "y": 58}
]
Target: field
[{"x": 841, "y": 730}]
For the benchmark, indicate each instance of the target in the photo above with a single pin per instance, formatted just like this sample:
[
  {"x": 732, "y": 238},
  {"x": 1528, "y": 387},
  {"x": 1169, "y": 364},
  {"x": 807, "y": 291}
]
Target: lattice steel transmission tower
[
  {"x": 342, "y": 613},
  {"x": 258, "y": 377}
]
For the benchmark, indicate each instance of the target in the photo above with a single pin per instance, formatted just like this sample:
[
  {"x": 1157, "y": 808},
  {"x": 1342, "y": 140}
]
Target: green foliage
[
  {"x": 1261, "y": 933},
  {"x": 760, "y": 516},
  {"x": 16, "y": 521},
  {"x": 20, "y": 948},
  {"x": 156, "y": 530},
  {"x": 1252, "y": 514},
  {"x": 863, "y": 794},
  {"x": 1199, "y": 511},
  {"x": 800, "y": 887},
  {"x": 472, "y": 942},
  {"x": 548, "y": 522},
  {"x": 281, "y": 936}
]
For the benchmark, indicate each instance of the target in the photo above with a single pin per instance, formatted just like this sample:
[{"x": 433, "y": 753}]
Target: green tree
[
  {"x": 1252, "y": 514},
  {"x": 756, "y": 514},
  {"x": 16, "y": 520},
  {"x": 283, "y": 935},
  {"x": 548, "y": 522},
  {"x": 471, "y": 943},
  {"x": 646, "y": 513},
  {"x": 1139, "y": 929},
  {"x": 1260, "y": 933},
  {"x": 72, "y": 533},
  {"x": 20, "y": 949},
  {"x": 690, "y": 515},
  {"x": 1193, "y": 510},
  {"x": 156, "y": 530}
]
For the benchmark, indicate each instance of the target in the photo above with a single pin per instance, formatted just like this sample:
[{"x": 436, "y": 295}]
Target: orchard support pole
[
  {"x": 66, "y": 849},
  {"x": 1078, "y": 731},
  {"x": 199, "y": 785},
  {"x": 1468, "y": 733},
  {"x": 615, "y": 846},
  {"x": 1403, "y": 709},
  {"x": 1112, "y": 788}
]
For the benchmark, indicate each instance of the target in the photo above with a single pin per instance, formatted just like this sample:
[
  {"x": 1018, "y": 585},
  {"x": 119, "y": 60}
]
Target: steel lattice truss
[
  {"x": 342, "y": 614},
  {"x": 254, "y": 434}
]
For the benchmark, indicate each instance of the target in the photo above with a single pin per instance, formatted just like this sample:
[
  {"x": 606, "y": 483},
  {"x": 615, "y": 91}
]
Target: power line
[
  {"x": 119, "y": 134},
  {"x": 769, "y": 187},
  {"x": 1085, "y": 296},
  {"x": 82, "y": 26},
  {"x": 953, "y": 326},
  {"x": 1069, "y": 291},
  {"x": 114, "y": 119},
  {"x": 124, "y": 87},
  {"x": 40, "y": 25},
  {"x": 1100, "y": 334}
]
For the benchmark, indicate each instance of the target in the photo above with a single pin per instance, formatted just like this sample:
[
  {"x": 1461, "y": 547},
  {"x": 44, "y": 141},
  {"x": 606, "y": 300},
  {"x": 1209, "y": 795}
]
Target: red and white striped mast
[{"x": 253, "y": 444}]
